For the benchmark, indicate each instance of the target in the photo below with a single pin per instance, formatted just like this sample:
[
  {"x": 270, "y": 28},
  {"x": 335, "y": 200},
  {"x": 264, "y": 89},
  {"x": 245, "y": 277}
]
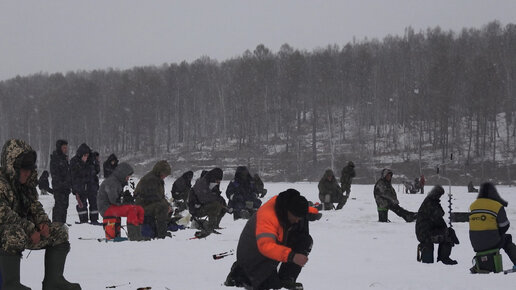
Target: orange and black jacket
[{"x": 261, "y": 246}]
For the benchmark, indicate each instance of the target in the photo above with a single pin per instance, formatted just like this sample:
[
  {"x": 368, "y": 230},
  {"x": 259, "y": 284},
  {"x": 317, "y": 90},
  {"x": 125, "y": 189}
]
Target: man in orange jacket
[{"x": 277, "y": 233}]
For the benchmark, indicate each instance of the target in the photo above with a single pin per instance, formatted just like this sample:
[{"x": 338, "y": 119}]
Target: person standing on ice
[
  {"x": 488, "y": 223},
  {"x": 432, "y": 229},
  {"x": 24, "y": 223},
  {"x": 346, "y": 178},
  {"x": 386, "y": 199},
  {"x": 85, "y": 184},
  {"x": 277, "y": 233},
  {"x": 61, "y": 181},
  {"x": 110, "y": 205}
]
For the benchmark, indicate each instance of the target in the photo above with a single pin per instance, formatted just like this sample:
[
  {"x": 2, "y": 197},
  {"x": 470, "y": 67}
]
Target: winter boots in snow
[
  {"x": 443, "y": 254},
  {"x": 55, "y": 258},
  {"x": 403, "y": 213},
  {"x": 383, "y": 215},
  {"x": 10, "y": 270},
  {"x": 134, "y": 233}
]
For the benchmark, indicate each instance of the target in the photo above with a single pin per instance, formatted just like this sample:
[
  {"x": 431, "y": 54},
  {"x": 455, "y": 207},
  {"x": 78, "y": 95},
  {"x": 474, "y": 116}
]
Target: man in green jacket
[
  {"x": 330, "y": 192},
  {"x": 23, "y": 222},
  {"x": 150, "y": 194}
]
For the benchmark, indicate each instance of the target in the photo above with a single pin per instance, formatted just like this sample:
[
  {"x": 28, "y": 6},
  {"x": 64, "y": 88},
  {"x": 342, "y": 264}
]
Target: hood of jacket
[
  {"x": 242, "y": 175},
  {"x": 112, "y": 157},
  {"x": 161, "y": 168},
  {"x": 11, "y": 150},
  {"x": 488, "y": 190},
  {"x": 387, "y": 171},
  {"x": 83, "y": 149},
  {"x": 436, "y": 192},
  {"x": 122, "y": 171}
]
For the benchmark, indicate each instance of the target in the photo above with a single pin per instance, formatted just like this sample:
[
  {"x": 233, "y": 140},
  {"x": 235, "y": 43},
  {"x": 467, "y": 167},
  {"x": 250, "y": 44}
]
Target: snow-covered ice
[{"x": 351, "y": 251}]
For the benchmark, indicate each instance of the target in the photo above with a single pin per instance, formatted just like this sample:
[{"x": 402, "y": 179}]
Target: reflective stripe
[
  {"x": 94, "y": 211},
  {"x": 266, "y": 235},
  {"x": 82, "y": 212},
  {"x": 506, "y": 223},
  {"x": 484, "y": 211}
]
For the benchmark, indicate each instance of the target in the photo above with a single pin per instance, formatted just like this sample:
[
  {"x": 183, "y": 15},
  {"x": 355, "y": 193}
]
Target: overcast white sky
[{"x": 59, "y": 36}]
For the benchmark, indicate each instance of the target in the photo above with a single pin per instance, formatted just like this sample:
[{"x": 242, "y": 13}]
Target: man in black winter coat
[
  {"x": 432, "y": 229},
  {"x": 61, "y": 181},
  {"x": 180, "y": 190},
  {"x": 85, "y": 185},
  {"x": 242, "y": 194},
  {"x": 109, "y": 165}
]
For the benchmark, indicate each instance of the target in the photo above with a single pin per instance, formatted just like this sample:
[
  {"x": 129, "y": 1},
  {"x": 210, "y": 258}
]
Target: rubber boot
[
  {"x": 55, "y": 258},
  {"x": 134, "y": 233},
  {"x": 443, "y": 254},
  {"x": 342, "y": 202},
  {"x": 383, "y": 216},
  {"x": 403, "y": 213},
  {"x": 10, "y": 271}
]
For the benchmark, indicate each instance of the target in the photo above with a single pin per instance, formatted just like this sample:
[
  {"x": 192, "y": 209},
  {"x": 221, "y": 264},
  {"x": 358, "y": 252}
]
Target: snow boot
[
  {"x": 383, "y": 216},
  {"x": 292, "y": 285},
  {"x": 134, "y": 233},
  {"x": 342, "y": 203},
  {"x": 443, "y": 254},
  {"x": 403, "y": 213},
  {"x": 10, "y": 271},
  {"x": 55, "y": 258}
]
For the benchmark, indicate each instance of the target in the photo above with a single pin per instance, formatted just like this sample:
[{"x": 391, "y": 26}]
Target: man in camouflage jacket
[
  {"x": 23, "y": 222},
  {"x": 386, "y": 199}
]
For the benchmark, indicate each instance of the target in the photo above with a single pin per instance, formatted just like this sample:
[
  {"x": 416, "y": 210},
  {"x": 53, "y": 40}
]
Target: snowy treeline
[{"x": 427, "y": 91}]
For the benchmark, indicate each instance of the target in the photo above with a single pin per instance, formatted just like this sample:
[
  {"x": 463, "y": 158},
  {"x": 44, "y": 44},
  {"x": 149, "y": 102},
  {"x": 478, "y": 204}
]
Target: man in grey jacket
[{"x": 110, "y": 205}]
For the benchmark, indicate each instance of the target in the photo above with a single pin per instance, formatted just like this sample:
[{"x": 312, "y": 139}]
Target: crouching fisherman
[
  {"x": 432, "y": 229},
  {"x": 276, "y": 233},
  {"x": 24, "y": 224},
  {"x": 110, "y": 204}
]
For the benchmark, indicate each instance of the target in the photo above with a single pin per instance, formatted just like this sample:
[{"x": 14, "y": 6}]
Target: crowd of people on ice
[{"x": 276, "y": 232}]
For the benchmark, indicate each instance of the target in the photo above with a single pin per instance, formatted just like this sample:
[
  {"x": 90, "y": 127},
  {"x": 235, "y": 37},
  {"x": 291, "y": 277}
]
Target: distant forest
[{"x": 434, "y": 90}]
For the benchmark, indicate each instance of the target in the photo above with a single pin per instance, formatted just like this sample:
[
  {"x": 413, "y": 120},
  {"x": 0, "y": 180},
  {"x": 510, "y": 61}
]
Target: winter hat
[
  {"x": 298, "y": 206},
  {"x": 293, "y": 202},
  {"x": 215, "y": 174},
  {"x": 26, "y": 160}
]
